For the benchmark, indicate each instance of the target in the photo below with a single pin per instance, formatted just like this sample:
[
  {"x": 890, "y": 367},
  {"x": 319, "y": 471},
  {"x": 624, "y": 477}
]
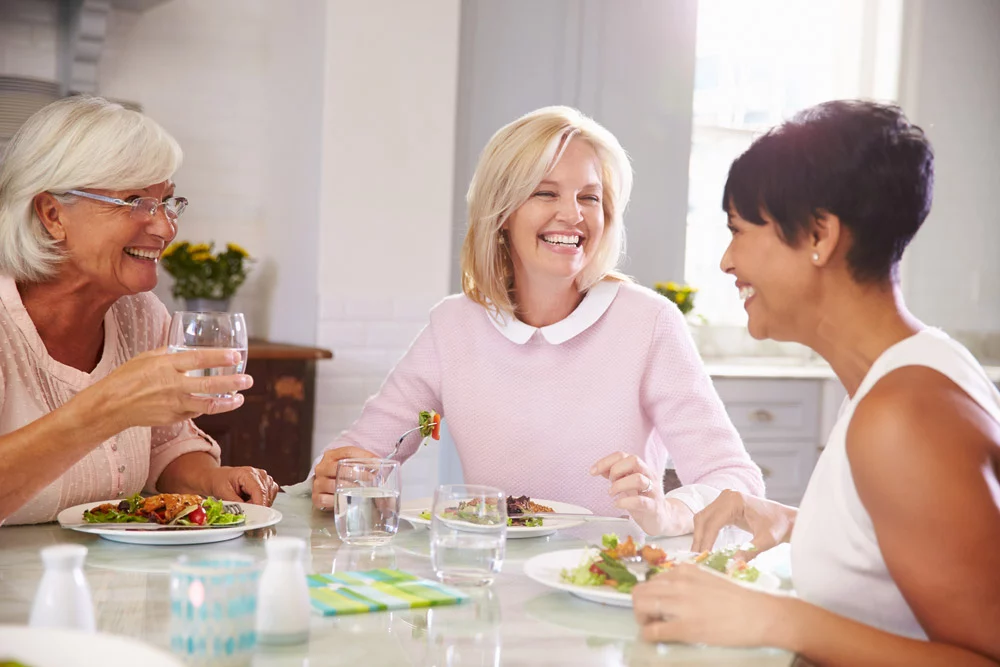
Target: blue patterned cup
[{"x": 213, "y": 604}]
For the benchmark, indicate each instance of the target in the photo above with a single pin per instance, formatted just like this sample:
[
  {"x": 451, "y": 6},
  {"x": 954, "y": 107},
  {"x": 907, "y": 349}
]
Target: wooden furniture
[{"x": 274, "y": 428}]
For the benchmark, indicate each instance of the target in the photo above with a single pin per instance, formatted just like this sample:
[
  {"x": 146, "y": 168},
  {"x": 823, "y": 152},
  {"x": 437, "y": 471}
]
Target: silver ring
[{"x": 649, "y": 487}]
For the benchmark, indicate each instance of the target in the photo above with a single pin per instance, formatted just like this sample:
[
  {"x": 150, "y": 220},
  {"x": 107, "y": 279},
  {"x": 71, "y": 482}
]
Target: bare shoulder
[
  {"x": 916, "y": 415},
  {"x": 924, "y": 457}
]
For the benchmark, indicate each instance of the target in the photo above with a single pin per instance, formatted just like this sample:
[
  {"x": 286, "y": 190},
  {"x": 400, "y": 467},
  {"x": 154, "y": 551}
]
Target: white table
[{"x": 515, "y": 622}]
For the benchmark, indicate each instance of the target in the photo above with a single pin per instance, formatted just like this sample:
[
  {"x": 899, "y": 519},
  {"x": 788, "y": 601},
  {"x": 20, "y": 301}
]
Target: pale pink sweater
[
  {"x": 32, "y": 384},
  {"x": 531, "y": 410}
]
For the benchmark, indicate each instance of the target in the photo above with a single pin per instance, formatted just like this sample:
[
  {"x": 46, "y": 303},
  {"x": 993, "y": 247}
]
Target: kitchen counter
[{"x": 790, "y": 368}]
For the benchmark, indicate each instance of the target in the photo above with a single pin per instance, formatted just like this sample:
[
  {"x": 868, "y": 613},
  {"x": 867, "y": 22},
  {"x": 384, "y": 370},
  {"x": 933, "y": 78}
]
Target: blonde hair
[
  {"x": 73, "y": 143},
  {"x": 511, "y": 166}
]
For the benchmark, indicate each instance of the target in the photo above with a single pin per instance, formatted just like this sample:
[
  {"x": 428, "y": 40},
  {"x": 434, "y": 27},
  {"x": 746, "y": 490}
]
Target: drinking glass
[
  {"x": 468, "y": 533},
  {"x": 213, "y": 603},
  {"x": 366, "y": 501},
  {"x": 466, "y": 635},
  {"x": 192, "y": 331}
]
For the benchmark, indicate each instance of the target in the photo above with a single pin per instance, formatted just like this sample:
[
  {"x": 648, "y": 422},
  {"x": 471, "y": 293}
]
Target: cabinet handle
[
  {"x": 766, "y": 472},
  {"x": 762, "y": 416}
]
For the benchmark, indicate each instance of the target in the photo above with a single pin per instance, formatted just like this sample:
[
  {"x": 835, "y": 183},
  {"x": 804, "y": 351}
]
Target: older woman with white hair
[
  {"x": 552, "y": 359},
  {"x": 91, "y": 406}
]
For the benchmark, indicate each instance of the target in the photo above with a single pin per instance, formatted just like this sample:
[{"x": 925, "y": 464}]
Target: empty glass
[
  {"x": 192, "y": 331},
  {"x": 468, "y": 533},
  {"x": 366, "y": 501}
]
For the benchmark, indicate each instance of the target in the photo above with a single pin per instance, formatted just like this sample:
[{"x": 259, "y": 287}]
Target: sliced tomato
[
  {"x": 197, "y": 516},
  {"x": 436, "y": 432}
]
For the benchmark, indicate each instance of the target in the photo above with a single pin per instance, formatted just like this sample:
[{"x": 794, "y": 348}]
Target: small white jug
[{"x": 63, "y": 598}]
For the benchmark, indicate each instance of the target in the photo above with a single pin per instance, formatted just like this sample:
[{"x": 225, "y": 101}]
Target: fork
[
  {"x": 232, "y": 509},
  {"x": 395, "y": 450}
]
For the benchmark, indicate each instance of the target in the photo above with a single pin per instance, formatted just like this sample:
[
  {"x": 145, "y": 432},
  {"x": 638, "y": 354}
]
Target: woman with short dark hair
[{"x": 894, "y": 547}]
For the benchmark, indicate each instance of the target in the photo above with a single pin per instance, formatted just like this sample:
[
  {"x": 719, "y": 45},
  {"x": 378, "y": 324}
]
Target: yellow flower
[
  {"x": 672, "y": 286},
  {"x": 201, "y": 256},
  {"x": 172, "y": 248},
  {"x": 199, "y": 247},
  {"x": 681, "y": 297},
  {"x": 232, "y": 247}
]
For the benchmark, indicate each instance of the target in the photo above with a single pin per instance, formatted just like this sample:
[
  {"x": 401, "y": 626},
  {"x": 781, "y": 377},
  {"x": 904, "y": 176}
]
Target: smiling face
[
  {"x": 555, "y": 234},
  {"x": 105, "y": 246},
  {"x": 777, "y": 281}
]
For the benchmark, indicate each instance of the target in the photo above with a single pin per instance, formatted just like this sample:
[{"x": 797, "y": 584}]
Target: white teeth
[
  {"x": 746, "y": 292},
  {"x": 561, "y": 239},
  {"x": 144, "y": 254}
]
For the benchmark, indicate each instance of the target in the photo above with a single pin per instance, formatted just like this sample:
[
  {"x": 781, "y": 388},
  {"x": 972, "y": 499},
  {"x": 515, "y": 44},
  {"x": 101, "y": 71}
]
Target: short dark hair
[{"x": 861, "y": 161}]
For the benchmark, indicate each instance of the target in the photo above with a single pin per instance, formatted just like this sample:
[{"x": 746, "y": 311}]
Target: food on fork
[
  {"x": 430, "y": 425},
  {"x": 179, "y": 509}
]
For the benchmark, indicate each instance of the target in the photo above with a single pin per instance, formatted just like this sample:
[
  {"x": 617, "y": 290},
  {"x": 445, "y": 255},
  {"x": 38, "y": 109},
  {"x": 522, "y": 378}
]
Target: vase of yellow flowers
[
  {"x": 681, "y": 295},
  {"x": 204, "y": 279}
]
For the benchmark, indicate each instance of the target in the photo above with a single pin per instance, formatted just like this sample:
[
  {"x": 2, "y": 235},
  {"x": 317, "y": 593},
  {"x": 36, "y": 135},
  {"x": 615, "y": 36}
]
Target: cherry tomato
[{"x": 197, "y": 516}]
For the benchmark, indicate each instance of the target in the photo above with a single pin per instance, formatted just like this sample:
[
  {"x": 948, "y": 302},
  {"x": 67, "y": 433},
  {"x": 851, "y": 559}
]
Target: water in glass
[{"x": 366, "y": 515}]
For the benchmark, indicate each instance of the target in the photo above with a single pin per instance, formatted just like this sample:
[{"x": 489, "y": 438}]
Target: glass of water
[
  {"x": 192, "y": 331},
  {"x": 468, "y": 533},
  {"x": 366, "y": 501}
]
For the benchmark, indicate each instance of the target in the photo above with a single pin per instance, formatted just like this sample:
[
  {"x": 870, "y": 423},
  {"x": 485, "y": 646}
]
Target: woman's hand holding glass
[
  {"x": 324, "y": 488},
  {"x": 769, "y": 522},
  {"x": 153, "y": 389},
  {"x": 639, "y": 491}
]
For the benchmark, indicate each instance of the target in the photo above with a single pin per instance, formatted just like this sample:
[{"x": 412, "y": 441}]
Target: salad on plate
[
  {"x": 469, "y": 511},
  {"x": 173, "y": 509},
  {"x": 622, "y": 564}
]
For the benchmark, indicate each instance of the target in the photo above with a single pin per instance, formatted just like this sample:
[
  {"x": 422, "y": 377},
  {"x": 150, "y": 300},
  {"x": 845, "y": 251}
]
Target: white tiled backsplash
[{"x": 368, "y": 336}]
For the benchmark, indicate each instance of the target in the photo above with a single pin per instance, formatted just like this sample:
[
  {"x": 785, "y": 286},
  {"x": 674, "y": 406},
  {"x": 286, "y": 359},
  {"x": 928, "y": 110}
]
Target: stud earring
[{"x": 815, "y": 256}]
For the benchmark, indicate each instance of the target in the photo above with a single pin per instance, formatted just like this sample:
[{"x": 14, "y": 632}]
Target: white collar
[{"x": 595, "y": 303}]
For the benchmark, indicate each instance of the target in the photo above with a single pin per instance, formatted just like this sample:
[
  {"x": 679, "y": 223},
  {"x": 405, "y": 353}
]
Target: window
[{"x": 757, "y": 64}]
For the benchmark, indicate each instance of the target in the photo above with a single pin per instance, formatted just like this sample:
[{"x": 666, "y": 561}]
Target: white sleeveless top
[{"x": 836, "y": 560}]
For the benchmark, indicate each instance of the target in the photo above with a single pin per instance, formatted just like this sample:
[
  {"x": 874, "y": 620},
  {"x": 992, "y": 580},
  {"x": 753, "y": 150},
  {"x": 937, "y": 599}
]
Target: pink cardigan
[
  {"x": 32, "y": 384},
  {"x": 531, "y": 409}
]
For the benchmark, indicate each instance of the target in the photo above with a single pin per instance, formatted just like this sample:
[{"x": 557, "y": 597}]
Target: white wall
[
  {"x": 629, "y": 65},
  {"x": 236, "y": 82},
  {"x": 385, "y": 220},
  {"x": 951, "y": 87},
  {"x": 28, "y": 39}
]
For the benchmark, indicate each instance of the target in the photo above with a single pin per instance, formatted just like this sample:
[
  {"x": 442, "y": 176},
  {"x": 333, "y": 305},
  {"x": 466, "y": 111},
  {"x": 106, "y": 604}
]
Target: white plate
[
  {"x": 411, "y": 512},
  {"x": 547, "y": 568},
  {"x": 50, "y": 647},
  {"x": 257, "y": 517}
]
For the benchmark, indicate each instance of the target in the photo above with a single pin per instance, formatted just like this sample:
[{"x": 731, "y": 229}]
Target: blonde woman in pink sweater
[{"x": 555, "y": 372}]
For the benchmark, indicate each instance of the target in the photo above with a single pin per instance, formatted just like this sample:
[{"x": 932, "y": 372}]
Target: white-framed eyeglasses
[{"x": 143, "y": 208}]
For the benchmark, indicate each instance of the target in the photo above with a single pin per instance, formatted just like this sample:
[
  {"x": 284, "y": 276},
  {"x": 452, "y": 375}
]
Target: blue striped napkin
[{"x": 376, "y": 590}]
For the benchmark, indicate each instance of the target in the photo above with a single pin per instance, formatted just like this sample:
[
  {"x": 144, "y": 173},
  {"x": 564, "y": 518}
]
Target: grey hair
[{"x": 73, "y": 143}]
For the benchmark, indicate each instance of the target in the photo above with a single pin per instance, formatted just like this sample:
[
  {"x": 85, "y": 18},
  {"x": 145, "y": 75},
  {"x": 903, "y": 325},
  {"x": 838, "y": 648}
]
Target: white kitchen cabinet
[{"x": 783, "y": 423}]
